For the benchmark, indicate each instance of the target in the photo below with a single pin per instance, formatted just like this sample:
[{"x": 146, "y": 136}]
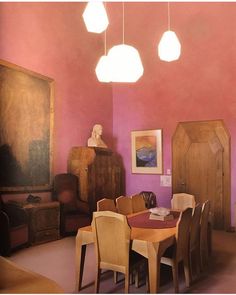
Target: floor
[{"x": 56, "y": 260}]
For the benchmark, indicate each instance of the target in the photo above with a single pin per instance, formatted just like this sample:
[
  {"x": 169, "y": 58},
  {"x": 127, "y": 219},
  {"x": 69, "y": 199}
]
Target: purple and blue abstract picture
[{"x": 146, "y": 151}]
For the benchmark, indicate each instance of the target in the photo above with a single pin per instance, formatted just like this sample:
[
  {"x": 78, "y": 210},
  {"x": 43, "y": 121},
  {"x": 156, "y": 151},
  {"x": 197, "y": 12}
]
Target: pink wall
[
  {"x": 199, "y": 86},
  {"x": 51, "y": 39}
]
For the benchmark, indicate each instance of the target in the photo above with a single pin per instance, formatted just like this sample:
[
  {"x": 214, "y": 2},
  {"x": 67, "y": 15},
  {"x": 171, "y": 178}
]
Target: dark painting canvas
[{"x": 25, "y": 129}]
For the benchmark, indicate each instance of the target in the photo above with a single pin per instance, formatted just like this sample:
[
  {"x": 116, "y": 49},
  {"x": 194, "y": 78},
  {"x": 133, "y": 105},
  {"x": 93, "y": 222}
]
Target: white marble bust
[{"x": 95, "y": 139}]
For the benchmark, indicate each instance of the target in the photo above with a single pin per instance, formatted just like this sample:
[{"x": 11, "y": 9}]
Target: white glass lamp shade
[
  {"x": 95, "y": 17},
  {"x": 125, "y": 63},
  {"x": 103, "y": 69},
  {"x": 169, "y": 47}
]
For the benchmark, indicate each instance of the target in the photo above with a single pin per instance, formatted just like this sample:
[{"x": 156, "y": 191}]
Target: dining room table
[{"x": 149, "y": 237}]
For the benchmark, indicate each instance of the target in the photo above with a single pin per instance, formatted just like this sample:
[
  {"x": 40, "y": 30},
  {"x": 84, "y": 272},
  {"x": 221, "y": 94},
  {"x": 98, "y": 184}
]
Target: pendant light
[
  {"x": 125, "y": 62},
  {"x": 169, "y": 47},
  {"x": 103, "y": 66},
  {"x": 95, "y": 17}
]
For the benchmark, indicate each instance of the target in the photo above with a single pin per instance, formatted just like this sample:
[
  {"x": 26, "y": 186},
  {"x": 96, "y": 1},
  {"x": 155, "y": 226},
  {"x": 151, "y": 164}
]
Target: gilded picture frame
[
  {"x": 146, "y": 151},
  {"x": 26, "y": 133}
]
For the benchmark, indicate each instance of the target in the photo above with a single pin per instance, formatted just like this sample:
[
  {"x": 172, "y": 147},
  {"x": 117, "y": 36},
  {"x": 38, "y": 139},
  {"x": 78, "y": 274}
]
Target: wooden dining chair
[
  {"x": 180, "y": 251},
  {"x": 112, "y": 244},
  {"x": 124, "y": 205},
  {"x": 181, "y": 201},
  {"x": 106, "y": 205},
  {"x": 138, "y": 203},
  {"x": 204, "y": 235},
  {"x": 194, "y": 244}
]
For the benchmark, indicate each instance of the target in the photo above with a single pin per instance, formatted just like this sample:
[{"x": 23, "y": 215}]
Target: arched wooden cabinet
[{"x": 100, "y": 174}]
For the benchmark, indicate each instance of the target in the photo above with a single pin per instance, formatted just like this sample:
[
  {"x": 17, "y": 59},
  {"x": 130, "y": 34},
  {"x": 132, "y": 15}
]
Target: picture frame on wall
[
  {"x": 146, "y": 151},
  {"x": 26, "y": 133}
]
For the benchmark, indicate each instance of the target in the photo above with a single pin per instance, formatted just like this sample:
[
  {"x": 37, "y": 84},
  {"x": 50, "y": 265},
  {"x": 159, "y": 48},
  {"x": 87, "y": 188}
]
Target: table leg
[
  {"x": 153, "y": 268},
  {"x": 80, "y": 257}
]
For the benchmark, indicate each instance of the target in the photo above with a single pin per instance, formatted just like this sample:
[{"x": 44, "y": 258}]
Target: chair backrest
[
  {"x": 149, "y": 198},
  {"x": 138, "y": 203},
  {"x": 195, "y": 226},
  {"x": 112, "y": 240},
  {"x": 183, "y": 232},
  {"x": 65, "y": 190},
  {"x": 204, "y": 221},
  {"x": 124, "y": 205},
  {"x": 182, "y": 201},
  {"x": 106, "y": 205}
]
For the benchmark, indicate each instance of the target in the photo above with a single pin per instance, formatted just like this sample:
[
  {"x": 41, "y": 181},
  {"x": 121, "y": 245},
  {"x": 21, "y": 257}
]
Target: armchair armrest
[
  {"x": 4, "y": 233},
  {"x": 16, "y": 214},
  {"x": 4, "y": 221}
]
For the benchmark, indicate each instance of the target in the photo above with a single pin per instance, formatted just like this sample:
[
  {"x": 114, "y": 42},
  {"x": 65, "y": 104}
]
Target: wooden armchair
[
  {"x": 112, "y": 245},
  {"x": 149, "y": 198},
  {"x": 194, "y": 245},
  {"x": 180, "y": 252},
  {"x": 106, "y": 205},
  {"x": 124, "y": 205},
  {"x": 138, "y": 203},
  {"x": 204, "y": 235},
  {"x": 14, "y": 229},
  {"x": 72, "y": 216},
  {"x": 181, "y": 201}
]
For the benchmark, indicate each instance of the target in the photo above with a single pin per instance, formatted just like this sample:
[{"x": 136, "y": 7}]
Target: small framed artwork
[{"x": 147, "y": 151}]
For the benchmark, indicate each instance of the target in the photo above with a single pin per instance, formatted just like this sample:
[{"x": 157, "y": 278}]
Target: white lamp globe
[
  {"x": 125, "y": 63},
  {"x": 95, "y": 17},
  {"x": 103, "y": 69},
  {"x": 169, "y": 47}
]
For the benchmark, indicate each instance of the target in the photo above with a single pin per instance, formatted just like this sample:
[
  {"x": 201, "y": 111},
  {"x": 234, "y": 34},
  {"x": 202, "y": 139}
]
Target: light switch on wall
[{"x": 165, "y": 180}]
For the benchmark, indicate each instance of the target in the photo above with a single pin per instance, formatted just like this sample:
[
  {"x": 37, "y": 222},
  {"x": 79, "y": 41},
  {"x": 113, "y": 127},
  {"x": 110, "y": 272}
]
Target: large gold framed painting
[
  {"x": 26, "y": 124},
  {"x": 147, "y": 151}
]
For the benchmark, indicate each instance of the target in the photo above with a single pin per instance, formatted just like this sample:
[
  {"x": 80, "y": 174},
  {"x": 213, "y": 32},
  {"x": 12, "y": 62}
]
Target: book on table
[{"x": 159, "y": 217}]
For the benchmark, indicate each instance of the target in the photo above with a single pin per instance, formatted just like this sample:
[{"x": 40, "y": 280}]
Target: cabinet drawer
[
  {"x": 45, "y": 219},
  {"x": 46, "y": 236}
]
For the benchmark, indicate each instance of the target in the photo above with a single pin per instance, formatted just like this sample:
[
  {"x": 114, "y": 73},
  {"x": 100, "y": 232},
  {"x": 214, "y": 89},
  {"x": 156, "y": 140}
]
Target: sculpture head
[{"x": 97, "y": 130}]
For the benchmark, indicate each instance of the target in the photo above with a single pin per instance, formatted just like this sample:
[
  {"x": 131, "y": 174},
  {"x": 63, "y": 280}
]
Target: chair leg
[
  {"x": 97, "y": 279},
  {"x": 115, "y": 277},
  {"x": 147, "y": 283},
  {"x": 136, "y": 277},
  {"x": 198, "y": 260},
  {"x": 175, "y": 273},
  {"x": 127, "y": 283},
  {"x": 191, "y": 264},
  {"x": 187, "y": 271}
]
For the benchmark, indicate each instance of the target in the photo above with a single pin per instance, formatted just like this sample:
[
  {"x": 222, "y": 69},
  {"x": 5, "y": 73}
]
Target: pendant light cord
[
  {"x": 168, "y": 3},
  {"x": 123, "y": 13},
  {"x": 105, "y": 34}
]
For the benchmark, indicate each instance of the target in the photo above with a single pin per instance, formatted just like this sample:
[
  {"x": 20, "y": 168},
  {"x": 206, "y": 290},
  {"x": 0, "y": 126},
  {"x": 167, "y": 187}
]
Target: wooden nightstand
[{"x": 44, "y": 219}]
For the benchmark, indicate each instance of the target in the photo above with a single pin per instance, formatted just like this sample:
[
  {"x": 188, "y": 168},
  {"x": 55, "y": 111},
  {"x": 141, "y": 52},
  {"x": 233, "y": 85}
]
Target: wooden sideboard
[
  {"x": 100, "y": 173},
  {"x": 44, "y": 221}
]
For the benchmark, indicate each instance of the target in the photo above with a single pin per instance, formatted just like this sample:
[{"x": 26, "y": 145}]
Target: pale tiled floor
[{"x": 56, "y": 260}]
